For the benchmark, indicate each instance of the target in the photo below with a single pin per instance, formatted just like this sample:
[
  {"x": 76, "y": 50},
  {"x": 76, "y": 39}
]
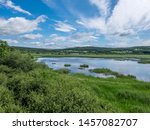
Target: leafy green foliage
[{"x": 4, "y": 49}]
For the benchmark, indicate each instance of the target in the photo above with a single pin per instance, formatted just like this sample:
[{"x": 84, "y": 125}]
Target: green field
[{"x": 28, "y": 86}]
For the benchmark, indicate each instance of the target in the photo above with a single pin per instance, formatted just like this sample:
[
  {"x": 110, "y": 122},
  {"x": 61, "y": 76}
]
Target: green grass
[{"x": 28, "y": 86}]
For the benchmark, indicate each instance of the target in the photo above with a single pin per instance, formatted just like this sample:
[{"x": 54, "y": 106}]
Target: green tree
[{"x": 3, "y": 48}]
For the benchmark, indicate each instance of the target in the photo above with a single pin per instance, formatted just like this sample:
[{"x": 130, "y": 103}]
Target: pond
[{"x": 126, "y": 67}]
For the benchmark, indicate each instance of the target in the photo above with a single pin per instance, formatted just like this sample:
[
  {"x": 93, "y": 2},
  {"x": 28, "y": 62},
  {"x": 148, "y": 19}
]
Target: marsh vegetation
[{"x": 29, "y": 86}]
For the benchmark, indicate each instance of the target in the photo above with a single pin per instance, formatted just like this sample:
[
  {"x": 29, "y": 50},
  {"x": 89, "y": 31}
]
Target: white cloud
[
  {"x": 128, "y": 18},
  {"x": 31, "y": 36},
  {"x": 64, "y": 27},
  {"x": 103, "y": 6},
  {"x": 83, "y": 37},
  {"x": 145, "y": 43},
  {"x": 94, "y": 23},
  {"x": 10, "y": 4},
  {"x": 54, "y": 39},
  {"x": 11, "y": 41},
  {"x": 50, "y": 3},
  {"x": 36, "y": 43},
  {"x": 19, "y": 25},
  {"x": 77, "y": 39}
]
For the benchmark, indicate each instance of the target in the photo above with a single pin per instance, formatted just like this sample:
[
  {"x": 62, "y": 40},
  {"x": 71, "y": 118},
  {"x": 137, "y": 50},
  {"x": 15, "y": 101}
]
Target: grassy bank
[
  {"x": 144, "y": 61},
  {"x": 110, "y": 72},
  {"x": 27, "y": 86}
]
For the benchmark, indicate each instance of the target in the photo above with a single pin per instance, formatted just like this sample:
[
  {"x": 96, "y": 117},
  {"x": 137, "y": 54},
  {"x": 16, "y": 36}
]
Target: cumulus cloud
[
  {"x": 64, "y": 27},
  {"x": 10, "y": 4},
  {"x": 128, "y": 18},
  {"x": 19, "y": 25},
  {"x": 31, "y": 36}
]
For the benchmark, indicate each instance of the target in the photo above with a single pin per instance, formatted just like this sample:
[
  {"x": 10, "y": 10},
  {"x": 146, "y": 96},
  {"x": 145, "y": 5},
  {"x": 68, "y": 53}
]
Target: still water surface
[{"x": 141, "y": 71}]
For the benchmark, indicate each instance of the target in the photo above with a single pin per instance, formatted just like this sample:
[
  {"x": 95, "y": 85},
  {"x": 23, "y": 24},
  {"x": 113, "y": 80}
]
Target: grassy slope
[
  {"x": 27, "y": 86},
  {"x": 124, "y": 95}
]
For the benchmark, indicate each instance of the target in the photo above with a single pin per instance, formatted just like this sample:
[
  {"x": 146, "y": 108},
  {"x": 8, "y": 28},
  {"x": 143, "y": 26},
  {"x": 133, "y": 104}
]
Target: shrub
[
  {"x": 3, "y": 79},
  {"x": 7, "y": 103},
  {"x": 67, "y": 65},
  {"x": 84, "y": 66}
]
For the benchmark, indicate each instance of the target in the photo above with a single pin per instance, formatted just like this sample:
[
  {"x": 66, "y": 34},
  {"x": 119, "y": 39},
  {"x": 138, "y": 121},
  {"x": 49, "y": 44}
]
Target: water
[{"x": 141, "y": 71}]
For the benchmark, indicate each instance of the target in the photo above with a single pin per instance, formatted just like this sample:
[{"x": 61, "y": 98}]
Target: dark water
[{"x": 141, "y": 71}]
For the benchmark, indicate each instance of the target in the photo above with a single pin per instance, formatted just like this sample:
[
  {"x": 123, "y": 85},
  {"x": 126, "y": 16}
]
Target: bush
[
  {"x": 84, "y": 66},
  {"x": 22, "y": 62},
  {"x": 7, "y": 103},
  {"x": 3, "y": 79},
  {"x": 5, "y": 69},
  {"x": 63, "y": 71},
  {"x": 67, "y": 65}
]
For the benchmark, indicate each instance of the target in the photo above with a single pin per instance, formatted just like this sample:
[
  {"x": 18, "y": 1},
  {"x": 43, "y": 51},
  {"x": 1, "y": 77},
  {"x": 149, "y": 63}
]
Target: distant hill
[{"x": 91, "y": 50}]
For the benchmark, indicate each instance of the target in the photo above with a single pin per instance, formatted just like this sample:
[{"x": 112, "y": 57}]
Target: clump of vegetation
[
  {"x": 103, "y": 71},
  {"x": 131, "y": 76},
  {"x": 28, "y": 86},
  {"x": 144, "y": 61},
  {"x": 67, "y": 65},
  {"x": 84, "y": 66},
  {"x": 53, "y": 63},
  {"x": 110, "y": 72}
]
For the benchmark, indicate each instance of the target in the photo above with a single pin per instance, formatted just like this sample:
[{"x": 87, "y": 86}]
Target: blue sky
[{"x": 71, "y": 23}]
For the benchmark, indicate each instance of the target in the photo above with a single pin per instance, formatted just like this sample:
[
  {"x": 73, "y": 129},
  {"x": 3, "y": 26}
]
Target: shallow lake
[{"x": 126, "y": 67}]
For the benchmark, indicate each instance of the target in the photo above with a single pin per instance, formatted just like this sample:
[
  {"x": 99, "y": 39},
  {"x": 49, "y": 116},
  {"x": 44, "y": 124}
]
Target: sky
[{"x": 56, "y": 24}]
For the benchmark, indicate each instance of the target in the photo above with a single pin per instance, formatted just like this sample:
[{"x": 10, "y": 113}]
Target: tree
[{"x": 3, "y": 48}]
